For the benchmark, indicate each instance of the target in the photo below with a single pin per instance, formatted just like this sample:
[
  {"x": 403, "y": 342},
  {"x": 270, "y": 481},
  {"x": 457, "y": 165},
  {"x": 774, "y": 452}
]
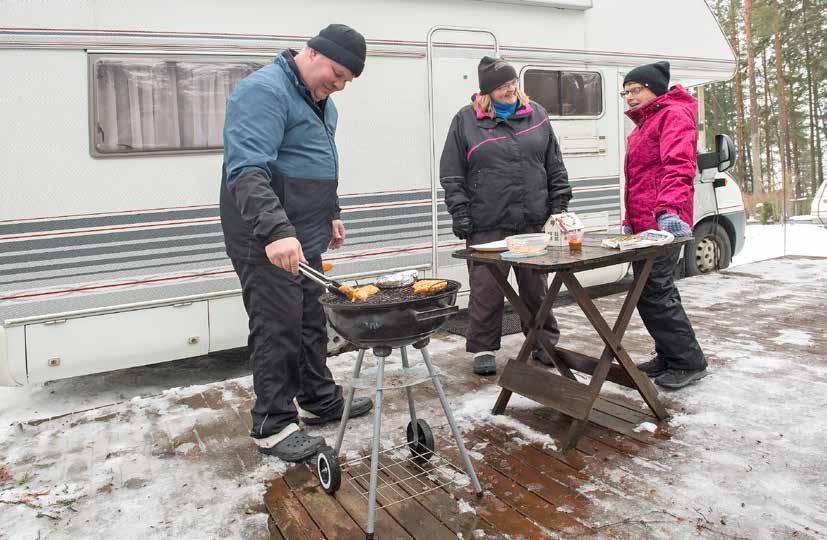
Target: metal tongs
[{"x": 330, "y": 285}]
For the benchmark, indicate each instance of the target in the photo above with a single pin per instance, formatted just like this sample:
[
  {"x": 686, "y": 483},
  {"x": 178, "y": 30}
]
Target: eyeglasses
[
  {"x": 510, "y": 85},
  {"x": 633, "y": 91}
]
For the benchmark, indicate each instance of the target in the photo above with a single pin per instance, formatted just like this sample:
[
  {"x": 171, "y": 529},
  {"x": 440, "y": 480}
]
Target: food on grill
[
  {"x": 389, "y": 296},
  {"x": 363, "y": 293},
  {"x": 429, "y": 285},
  {"x": 399, "y": 279},
  {"x": 347, "y": 290}
]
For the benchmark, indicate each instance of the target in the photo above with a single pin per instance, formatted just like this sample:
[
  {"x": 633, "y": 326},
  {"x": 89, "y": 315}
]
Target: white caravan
[{"x": 111, "y": 252}]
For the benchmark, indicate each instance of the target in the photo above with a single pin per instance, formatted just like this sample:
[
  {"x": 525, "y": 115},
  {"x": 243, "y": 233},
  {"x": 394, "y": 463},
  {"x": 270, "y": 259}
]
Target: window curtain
[{"x": 144, "y": 105}]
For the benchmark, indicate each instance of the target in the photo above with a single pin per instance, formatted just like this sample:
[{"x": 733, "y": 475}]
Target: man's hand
[
  {"x": 338, "y": 236},
  {"x": 286, "y": 254},
  {"x": 675, "y": 225}
]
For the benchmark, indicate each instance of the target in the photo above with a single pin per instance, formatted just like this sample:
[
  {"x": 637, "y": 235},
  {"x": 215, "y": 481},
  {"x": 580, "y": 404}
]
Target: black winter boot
[
  {"x": 653, "y": 368},
  {"x": 678, "y": 378},
  {"x": 485, "y": 363}
]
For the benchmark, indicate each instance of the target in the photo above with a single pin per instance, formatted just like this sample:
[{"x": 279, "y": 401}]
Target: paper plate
[{"x": 499, "y": 245}]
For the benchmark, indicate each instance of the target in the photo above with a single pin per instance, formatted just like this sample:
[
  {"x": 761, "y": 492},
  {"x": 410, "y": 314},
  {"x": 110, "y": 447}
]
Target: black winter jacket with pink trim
[{"x": 503, "y": 173}]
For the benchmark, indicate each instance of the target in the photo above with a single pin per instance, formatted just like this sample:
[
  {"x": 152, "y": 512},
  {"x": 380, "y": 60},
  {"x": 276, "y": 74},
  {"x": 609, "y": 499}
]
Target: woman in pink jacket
[{"x": 660, "y": 176}]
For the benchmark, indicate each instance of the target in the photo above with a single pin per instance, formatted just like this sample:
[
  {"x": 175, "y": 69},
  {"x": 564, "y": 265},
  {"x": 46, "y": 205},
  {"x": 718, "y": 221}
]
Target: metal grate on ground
[{"x": 403, "y": 477}]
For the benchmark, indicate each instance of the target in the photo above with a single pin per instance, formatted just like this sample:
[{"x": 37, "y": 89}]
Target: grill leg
[
  {"x": 409, "y": 392},
  {"x": 469, "y": 468},
  {"x": 340, "y": 435},
  {"x": 374, "y": 456}
]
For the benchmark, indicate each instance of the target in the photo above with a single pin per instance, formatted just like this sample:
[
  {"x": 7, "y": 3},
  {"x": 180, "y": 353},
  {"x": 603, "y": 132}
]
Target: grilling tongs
[{"x": 330, "y": 285}]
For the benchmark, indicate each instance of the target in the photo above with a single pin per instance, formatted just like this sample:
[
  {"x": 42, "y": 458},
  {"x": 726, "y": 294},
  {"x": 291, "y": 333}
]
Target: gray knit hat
[
  {"x": 343, "y": 45},
  {"x": 493, "y": 72},
  {"x": 655, "y": 77}
]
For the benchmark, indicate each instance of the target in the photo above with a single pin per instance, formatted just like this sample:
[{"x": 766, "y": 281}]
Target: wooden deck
[
  {"x": 531, "y": 491},
  {"x": 740, "y": 458}
]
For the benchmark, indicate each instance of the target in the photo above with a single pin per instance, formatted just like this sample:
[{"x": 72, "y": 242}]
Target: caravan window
[
  {"x": 566, "y": 93},
  {"x": 156, "y": 104}
]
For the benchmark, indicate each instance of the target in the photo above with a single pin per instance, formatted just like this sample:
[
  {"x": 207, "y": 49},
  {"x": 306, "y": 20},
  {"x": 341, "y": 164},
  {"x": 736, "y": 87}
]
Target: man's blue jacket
[{"x": 281, "y": 167}]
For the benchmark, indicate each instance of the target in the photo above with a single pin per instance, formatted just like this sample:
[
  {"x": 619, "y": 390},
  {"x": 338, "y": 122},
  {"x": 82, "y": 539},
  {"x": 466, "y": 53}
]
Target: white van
[
  {"x": 818, "y": 208},
  {"x": 111, "y": 252}
]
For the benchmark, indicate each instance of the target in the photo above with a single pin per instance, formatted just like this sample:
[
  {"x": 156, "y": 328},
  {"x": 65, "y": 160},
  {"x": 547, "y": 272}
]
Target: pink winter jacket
[{"x": 661, "y": 160}]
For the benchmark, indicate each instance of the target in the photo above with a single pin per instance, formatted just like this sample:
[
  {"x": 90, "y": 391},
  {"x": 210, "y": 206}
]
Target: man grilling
[{"x": 279, "y": 207}]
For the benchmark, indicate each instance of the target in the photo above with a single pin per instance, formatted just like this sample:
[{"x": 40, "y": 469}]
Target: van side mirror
[{"x": 725, "y": 152}]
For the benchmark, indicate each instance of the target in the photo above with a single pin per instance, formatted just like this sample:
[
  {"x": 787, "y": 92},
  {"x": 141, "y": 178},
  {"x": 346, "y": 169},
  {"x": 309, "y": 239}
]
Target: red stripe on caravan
[
  {"x": 112, "y": 213},
  {"x": 105, "y": 229},
  {"x": 388, "y": 252},
  {"x": 503, "y": 47},
  {"x": 112, "y": 285},
  {"x": 204, "y": 274}
]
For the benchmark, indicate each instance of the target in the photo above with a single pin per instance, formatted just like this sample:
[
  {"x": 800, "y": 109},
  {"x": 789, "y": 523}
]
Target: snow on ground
[
  {"x": 767, "y": 242},
  {"x": 139, "y": 463},
  {"x": 134, "y": 488},
  {"x": 747, "y": 447}
]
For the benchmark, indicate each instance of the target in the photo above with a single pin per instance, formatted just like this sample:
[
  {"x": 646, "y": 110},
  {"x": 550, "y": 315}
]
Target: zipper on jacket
[{"x": 316, "y": 110}]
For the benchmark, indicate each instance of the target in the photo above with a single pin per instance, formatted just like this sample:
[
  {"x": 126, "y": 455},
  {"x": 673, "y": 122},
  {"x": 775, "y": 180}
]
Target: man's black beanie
[
  {"x": 655, "y": 77},
  {"x": 343, "y": 45},
  {"x": 493, "y": 72}
]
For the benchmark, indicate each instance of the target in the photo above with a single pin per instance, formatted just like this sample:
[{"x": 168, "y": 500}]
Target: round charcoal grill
[{"x": 392, "y": 317}]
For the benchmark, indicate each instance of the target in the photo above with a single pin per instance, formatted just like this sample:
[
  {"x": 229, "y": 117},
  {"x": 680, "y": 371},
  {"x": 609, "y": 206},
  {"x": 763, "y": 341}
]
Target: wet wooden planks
[{"x": 532, "y": 489}]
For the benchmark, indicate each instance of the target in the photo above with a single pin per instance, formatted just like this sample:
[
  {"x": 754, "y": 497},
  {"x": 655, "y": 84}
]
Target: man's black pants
[
  {"x": 663, "y": 315},
  {"x": 485, "y": 306},
  {"x": 288, "y": 346}
]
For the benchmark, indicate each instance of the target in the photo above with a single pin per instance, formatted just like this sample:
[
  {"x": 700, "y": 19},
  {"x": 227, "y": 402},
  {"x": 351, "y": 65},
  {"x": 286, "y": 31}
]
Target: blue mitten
[
  {"x": 627, "y": 230},
  {"x": 673, "y": 224}
]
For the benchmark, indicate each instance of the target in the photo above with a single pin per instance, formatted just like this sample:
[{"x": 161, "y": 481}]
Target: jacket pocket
[
  {"x": 310, "y": 205},
  {"x": 490, "y": 200}
]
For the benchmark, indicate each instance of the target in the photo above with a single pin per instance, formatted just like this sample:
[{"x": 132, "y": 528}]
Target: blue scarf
[{"x": 504, "y": 110}]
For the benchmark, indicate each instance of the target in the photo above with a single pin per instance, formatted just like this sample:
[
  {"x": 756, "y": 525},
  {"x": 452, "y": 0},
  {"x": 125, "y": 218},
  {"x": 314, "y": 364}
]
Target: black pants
[
  {"x": 288, "y": 346},
  {"x": 485, "y": 307},
  {"x": 662, "y": 313}
]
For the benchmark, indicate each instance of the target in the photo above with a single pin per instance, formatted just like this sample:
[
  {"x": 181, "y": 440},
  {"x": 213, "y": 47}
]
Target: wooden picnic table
[{"x": 564, "y": 392}]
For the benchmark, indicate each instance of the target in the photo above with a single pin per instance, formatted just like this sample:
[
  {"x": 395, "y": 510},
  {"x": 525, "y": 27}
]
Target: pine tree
[{"x": 755, "y": 136}]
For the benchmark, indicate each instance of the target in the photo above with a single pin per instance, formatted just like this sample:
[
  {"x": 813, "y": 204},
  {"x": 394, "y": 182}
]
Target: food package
[
  {"x": 429, "y": 285},
  {"x": 363, "y": 293},
  {"x": 644, "y": 239},
  {"x": 399, "y": 279}
]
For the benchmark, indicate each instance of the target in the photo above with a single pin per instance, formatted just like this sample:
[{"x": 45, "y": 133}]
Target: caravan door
[{"x": 453, "y": 56}]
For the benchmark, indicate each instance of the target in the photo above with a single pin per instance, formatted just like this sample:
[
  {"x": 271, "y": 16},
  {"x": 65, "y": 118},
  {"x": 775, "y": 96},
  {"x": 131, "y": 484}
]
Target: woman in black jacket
[{"x": 503, "y": 174}]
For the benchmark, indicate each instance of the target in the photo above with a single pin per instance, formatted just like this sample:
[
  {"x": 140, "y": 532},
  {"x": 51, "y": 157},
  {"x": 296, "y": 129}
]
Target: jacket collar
[
  {"x": 521, "y": 112},
  {"x": 676, "y": 95},
  {"x": 286, "y": 60}
]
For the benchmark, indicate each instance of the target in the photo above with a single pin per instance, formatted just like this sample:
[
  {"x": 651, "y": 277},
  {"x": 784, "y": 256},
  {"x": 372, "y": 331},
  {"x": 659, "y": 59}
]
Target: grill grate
[
  {"x": 389, "y": 296},
  {"x": 402, "y": 478}
]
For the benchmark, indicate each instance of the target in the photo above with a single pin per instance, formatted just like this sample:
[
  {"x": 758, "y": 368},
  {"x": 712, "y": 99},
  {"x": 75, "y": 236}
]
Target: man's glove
[
  {"x": 462, "y": 224},
  {"x": 627, "y": 230},
  {"x": 673, "y": 224}
]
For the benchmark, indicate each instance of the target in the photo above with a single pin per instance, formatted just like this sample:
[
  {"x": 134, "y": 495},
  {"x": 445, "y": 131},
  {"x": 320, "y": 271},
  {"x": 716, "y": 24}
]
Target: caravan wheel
[{"x": 710, "y": 251}]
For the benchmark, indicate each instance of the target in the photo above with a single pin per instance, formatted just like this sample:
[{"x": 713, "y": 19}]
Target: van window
[
  {"x": 147, "y": 105},
  {"x": 566, "y": 93}
]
